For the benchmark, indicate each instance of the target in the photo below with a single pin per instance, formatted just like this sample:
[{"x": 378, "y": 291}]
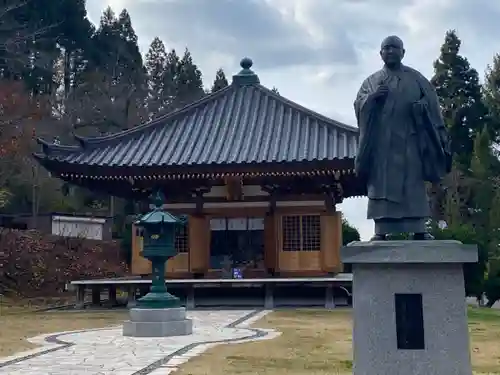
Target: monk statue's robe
[{"x": 400, "y": 147}]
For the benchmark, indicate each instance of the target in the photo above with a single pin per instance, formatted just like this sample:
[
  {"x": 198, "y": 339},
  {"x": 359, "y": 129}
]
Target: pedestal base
[
  {"x": 157, "y": 323},
  {"x": 410, "y": 314}
]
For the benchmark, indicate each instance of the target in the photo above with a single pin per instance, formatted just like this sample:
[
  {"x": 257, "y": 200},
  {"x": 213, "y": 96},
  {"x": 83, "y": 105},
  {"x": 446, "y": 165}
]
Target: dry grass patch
[
  {"x": 22, "y": 322},
  {"x": 313, "y": 342},
  {"x": 484, "y": 328},
  {"x": 320, "y": 343}
]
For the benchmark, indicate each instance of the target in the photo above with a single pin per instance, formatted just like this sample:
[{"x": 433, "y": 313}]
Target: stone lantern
[
  {"x": 158, "y": 313},
  {"x": 158, "y": 232}
]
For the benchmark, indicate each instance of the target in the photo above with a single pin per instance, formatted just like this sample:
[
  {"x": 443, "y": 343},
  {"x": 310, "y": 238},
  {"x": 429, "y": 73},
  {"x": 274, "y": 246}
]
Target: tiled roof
[{"x": 241, "y": 124}]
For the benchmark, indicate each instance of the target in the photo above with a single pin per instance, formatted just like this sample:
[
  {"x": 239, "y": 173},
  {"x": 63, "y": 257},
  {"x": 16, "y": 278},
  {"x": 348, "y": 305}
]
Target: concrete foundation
[
  {"x": 158, "y": 323},
  {"x": 410, "y": 313}
]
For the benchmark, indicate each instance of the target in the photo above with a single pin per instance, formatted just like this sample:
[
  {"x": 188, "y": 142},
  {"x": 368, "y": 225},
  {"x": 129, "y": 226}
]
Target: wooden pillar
[
  {"x": 329, "y": 297},
  {"x": 80, "y": 296},
  {"x": 269, "y": 296},
  {"x": 190, "y": 303},
  {"x": 131, "y": 301},
  {"x": 199, "y": 244},
  {"x": 331, "y": 241},
  {"x": 270, "y": 243},
  {"x": 96, "y": 295},
  {"x": 112, "y": 295}
]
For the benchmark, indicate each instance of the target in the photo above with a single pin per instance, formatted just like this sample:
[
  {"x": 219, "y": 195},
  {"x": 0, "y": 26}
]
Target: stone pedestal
[
  {"x": 410, "y": 313},
  {"x": 157, "y": 323}
]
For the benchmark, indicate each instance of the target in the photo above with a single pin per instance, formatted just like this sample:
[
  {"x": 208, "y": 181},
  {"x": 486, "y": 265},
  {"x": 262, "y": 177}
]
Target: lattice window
[
  {"x": 311, "y": 232},
  {"x": 182, "y": 239},
  {"x": 301, "y": 233}
]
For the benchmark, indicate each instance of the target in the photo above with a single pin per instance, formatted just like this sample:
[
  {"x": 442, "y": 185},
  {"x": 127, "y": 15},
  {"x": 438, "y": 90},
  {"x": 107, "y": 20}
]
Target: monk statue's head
[{"x": 392, "y": 51}]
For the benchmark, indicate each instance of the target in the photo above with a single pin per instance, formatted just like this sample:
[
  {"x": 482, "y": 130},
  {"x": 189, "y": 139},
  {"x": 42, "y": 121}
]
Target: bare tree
[
  {"x": 19, "y": 114},
  {"x": 101, "y": 106}
]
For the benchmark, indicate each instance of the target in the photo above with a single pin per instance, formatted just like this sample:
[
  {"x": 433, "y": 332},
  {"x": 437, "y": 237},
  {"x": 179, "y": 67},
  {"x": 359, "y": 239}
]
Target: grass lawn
[
  {"x": 319, "y": 343},
  {"x": 21, "y": 322},
  {"x": 313, "y": 342}
]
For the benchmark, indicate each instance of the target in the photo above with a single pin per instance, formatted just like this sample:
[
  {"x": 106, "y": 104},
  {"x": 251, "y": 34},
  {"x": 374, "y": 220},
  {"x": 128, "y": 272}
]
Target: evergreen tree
[
  {"x": 220, "y": 81},
  {"x": 125, "y": 29},
  {"x": 105, "y": 41},
  {"x": 12, "y": 42},
  {"x": 486, "y": 192},
  {"x": 34, "y": 32},
  {"x": 491, "y": 93},
  {"x": 116, "y": 49},
  {"x": 454, "y": 202},
  {"x": 494, "y": 218},
  {"x": 170, "y": 78},
  {"x": 74, "y": 33},
  {"x": 188, "y": 83},
  {"x": 107, "y": 21},
  {"x": 349, "y": 233},
  {"x": 156, "y": 60},
  {"x": 39, "y": 50},
  {"x": 117, "y": 68},
  {"x": 482, "y": 187},
  {"x": 459, "y": 92},
  {"x": 275, "y": 90}
]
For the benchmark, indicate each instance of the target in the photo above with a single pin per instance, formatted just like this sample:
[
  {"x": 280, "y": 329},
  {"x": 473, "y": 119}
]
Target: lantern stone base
[{"x": 157, "y": 323}]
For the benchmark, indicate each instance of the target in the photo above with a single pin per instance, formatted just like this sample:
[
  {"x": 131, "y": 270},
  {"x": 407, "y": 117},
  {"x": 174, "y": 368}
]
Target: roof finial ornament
[
  {"x": 246, "y": 63},
  {"x": 246, "y": 76}
]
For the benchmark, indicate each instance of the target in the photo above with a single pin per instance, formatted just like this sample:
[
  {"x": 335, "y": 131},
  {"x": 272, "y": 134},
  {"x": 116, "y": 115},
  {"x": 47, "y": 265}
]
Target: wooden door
[
  {"x": 199, "y": 244},
  {"x": 331, "y": 241}
]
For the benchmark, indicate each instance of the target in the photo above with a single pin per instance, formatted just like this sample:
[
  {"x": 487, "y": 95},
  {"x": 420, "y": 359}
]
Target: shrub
[{"x": 32, "y": 264}]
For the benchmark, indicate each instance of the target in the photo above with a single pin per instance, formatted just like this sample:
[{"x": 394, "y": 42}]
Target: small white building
[{"x": 92, "y": 228}]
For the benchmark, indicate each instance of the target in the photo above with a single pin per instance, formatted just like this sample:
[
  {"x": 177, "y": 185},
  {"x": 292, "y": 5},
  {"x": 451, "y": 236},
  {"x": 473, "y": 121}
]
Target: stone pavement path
[{"x": 107, "y": 352}]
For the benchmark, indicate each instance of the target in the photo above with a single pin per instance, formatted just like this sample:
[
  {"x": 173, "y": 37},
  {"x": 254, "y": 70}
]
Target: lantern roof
[{"x": 159, "y": 217}]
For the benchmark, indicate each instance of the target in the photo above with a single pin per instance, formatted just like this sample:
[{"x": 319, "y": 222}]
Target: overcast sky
[{"x": 316, "y": 52}]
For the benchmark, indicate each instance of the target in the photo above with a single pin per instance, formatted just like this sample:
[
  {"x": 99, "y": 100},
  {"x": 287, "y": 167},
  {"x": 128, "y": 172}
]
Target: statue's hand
[{"x": 381, "y": 92}]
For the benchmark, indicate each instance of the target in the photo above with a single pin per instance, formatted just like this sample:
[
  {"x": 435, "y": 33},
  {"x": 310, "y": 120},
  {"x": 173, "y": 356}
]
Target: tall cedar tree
[
  {"x": 170, "y": 79},
  {"x": 220, "y": 81},
  {"x": 189, "y": 83},
  {"x": 480, "y": 173},
  {"x": 486, "y": 192},
  {"x": 494, "y": 219},
  {"x": 491, "y": 94},
  {"x": 117, "y": 51},
  {"x": 453, "y": 203},
  {"x": 114, "y": 95},
  {"x": 75, "y": 40},
  {"x": 156, "y": 60},
  {"x": 33, "y": 34},
  {"x": 459, "y": 92}
]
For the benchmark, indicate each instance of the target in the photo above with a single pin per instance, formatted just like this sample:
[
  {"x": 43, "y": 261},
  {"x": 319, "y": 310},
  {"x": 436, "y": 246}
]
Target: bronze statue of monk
[{"x": 403, "y": 143}]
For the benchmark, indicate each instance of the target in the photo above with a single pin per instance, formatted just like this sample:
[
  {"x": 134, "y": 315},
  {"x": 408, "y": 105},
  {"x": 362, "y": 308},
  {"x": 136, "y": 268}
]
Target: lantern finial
[{"x": 158, "y": 200}]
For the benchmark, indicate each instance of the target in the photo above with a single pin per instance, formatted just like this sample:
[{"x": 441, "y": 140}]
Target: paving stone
[{"x": 108, "y": 352}]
